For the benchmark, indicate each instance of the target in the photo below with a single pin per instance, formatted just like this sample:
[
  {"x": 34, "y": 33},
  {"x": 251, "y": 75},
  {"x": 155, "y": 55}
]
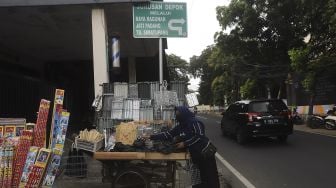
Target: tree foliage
[
  {"x": 247, "y": 89},
  {"x": 266, "y": 42},
  {"x": 317, "y": 58},
  {"x": 199, "y": 67},
  {"x": 256, "y": 49},
  {"x": 178, "y": 68}
]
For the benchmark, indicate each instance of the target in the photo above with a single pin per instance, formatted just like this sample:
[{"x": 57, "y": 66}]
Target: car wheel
[
  {"x": 241, "y": 136},
  {"x": 130, "y": 178},
  {"x": 283, "y": 138}
]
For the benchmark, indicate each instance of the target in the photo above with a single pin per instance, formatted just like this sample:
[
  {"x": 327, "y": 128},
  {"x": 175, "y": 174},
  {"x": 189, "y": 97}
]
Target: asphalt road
[{"x": 306, "y": 161}]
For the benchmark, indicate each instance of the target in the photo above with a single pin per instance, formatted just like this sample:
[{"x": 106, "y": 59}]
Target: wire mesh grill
[
  {"x": 107, "y": 100},
  {"x": 131, "y": 109},
  {"x": 180, "y": 87},
  {"x": 108, "y": 88},
  {"x": 146, "y": 90},
  {"x": 146, "y": 110},
  {"x": 165, "y": 98},
  {"x": 132, "y": 90},
  {"x": 120, "y": 89},
  {"x": 74, "y": 166},
  {"x": 146, "y": 114},
  {"x": 117, "y": 108},
  {"x": 108, "y": 123}
]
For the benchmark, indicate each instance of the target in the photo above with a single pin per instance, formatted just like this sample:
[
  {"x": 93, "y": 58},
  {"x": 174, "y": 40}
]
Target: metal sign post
[
  {"x": 160, "y": 20},
  {"x": 161, "y": 64}
]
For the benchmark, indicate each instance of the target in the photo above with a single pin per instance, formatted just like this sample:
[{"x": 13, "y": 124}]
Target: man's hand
[
  {"x": 180, "y": 145},
  {"x": 145, "y": 137}
]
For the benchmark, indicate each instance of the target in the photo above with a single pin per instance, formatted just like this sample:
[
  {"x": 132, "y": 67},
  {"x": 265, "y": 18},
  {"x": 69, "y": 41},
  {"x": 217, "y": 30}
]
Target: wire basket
[{"x": 88, "y": 146}]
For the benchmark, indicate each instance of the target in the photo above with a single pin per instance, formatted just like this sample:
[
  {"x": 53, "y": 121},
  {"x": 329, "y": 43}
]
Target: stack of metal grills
[
  {"x": 146, "y": 90},
  {"x": 146, "y": 110},
  {"x": 141, "y": 101},
  {"x": 181, "y": 89}
]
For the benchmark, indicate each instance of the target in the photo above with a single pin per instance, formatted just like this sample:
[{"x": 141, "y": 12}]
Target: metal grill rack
[
  {"x": 107, "y": 101},
  {"x": 108, "y": 88},
  {"x": 131, "y": 109},
  {"x": 146, "y": 110},
  {"x": 180, "y": 87},
  {"x": 108, "y": 123},
  {"x": 165, "y": 98},
  {"x": 117, "y": 108},
  {"x": 120, "y": 89},
  {"x": 142, "y": 101},
  {"x": 146, "y": 90},
  {"x": 133, "y": 90}
]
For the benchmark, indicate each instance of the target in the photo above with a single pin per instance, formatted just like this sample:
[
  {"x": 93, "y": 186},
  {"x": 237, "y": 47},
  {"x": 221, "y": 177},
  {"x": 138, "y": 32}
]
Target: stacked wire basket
[{"x": 142, "y": 101}]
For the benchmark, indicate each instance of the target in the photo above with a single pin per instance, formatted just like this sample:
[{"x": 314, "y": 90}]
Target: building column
[
  {"x": 131, "y": 70},
  {"x": 99, "y": 45}
]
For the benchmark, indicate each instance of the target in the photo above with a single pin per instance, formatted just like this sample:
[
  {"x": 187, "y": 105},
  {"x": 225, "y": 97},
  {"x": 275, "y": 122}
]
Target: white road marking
[
  {"x": 246, "y": 182},
  {"x": 218, "y": 122},
  {"x": 201, "y": 117}
]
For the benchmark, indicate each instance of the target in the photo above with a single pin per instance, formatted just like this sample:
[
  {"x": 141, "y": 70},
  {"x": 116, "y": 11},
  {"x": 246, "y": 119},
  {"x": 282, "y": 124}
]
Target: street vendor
[{"x": 192, "y": 133}]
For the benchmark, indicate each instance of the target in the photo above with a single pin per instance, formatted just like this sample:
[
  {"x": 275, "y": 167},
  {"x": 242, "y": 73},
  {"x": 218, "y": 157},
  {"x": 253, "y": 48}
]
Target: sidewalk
[{"x": 321, "y": 131}]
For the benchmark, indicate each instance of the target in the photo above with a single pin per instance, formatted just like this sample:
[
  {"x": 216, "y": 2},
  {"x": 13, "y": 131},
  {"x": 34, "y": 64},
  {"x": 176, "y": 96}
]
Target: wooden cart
[{"x": 139, "y": 169}]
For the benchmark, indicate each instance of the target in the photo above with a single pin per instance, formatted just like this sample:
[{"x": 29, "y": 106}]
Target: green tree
[
  {"x": 247, "y": 89},
  {"x": 317, "y": 57},
  {"x": 255, "y": 50},
  {"x": 199, "y": 67},
  {"x": 178, "y": 68}
]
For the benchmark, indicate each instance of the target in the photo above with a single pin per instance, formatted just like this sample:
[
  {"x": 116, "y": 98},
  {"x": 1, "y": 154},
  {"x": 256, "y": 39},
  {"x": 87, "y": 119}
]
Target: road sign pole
[
  {"x": 160, "y": 20},
  {"x": 160, "y": 64}
]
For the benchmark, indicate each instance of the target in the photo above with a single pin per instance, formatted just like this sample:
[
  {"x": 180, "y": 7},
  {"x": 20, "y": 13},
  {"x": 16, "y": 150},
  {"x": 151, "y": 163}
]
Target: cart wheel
[{"x": 130, "y": 178}]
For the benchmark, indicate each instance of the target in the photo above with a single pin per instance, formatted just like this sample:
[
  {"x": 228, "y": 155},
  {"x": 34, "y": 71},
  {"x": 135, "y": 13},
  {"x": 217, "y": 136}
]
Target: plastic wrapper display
[{"x": 192, "y": 99}]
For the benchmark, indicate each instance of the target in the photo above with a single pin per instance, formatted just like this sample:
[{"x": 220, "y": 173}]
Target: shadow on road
[{"x": 261, "y": 142}]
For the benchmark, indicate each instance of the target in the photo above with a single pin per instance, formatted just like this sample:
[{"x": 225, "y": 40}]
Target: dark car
[{"x": 257, "y": 118}]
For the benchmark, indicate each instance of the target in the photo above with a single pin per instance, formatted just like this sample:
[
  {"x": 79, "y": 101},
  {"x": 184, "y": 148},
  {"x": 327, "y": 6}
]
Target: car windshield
[{"x": 267, "y": 106}]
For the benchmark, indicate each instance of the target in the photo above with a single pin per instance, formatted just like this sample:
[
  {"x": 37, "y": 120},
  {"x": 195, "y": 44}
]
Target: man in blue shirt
[{"x": 192, "y": 133}]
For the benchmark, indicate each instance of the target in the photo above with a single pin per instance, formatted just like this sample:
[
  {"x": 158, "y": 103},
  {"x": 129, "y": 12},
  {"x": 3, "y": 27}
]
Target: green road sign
[{"x": 159, "y": 20}]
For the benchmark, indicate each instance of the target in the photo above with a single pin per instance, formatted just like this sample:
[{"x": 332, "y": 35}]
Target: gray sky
[{"x": 202, "y": 25}]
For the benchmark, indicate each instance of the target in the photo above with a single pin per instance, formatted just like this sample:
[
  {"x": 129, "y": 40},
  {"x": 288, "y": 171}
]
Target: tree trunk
[{"x": 311, "y": 104}]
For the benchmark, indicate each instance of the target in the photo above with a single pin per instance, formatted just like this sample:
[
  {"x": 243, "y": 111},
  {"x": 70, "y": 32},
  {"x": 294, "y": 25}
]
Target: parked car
[{"x": 257, "y": 118}]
